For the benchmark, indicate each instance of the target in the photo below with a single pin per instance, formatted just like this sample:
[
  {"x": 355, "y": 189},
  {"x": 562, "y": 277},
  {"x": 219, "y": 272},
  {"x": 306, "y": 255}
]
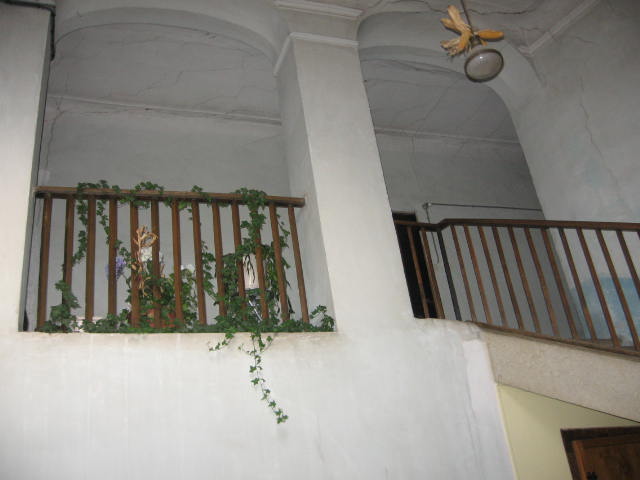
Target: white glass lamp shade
[{"x": 483, "y": 63}]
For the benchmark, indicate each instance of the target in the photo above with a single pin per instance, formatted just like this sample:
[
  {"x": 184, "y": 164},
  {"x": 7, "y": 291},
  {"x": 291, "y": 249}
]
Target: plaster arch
[
  {"x": 575, "y": 125},
  {"x": 250, "y": 21},
  {"x": 416, "y": 38}
]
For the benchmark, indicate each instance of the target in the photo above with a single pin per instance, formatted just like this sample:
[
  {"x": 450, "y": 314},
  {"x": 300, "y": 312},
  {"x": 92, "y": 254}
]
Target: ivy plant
[{"x": 156, "y": 293}]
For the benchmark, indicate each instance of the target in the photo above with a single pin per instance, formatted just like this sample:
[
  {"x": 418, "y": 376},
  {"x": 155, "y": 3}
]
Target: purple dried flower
[{"x": 120, "y": 265}]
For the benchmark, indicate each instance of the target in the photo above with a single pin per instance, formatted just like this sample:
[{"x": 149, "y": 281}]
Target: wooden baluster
[
  {"x": 177, "y": 259},
  {"x": 416, "y": 266},
  {"x": 90, "y": 260},
  {"x": 433, "y": 281},
  {"x": 543, "y": 282},
  {"x": 282, "y": 287},
  {"x": 197, "y": 250},
  {"x": 558, "y": 279},
  {"x": 596, "y": 283},
  {"x": 45, "y": 245},
  {"x": 523, "y": 279},
  {"x": 577, "y": 283},
  {"x": 627, "y": 256},
  {"x": 217, "y": 241},
  {"x": 507, "y": 278},
  {"x": 619, "y": 291},
  {"x": 298, "y": 260},
  {"x": 69, "y": 226},
  {"x": 155, "y": 262},
  {"x": 237, "y": 241},
  {"x": 135, "y": 275},
  {"x": 476, "y": 269},
  {"x": 492, "y": 274},
  {"x": 447, "y": 271},
  {"x": 463, "y": 271},
  {"x": 112, "y": 302}
]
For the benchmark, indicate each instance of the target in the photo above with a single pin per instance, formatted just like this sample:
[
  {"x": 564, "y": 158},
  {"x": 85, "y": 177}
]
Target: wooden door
[{"x": 608, "y": 458}]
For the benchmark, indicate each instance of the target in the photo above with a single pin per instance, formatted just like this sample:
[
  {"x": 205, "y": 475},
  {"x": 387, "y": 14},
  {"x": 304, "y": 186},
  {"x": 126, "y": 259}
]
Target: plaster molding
[
  {"x": 310, "y": 37},
  {"x": 187, "y": 112},
  {"x": 334, "y": 41},
  {"x": 560, "y": 26},
  {"x": 397, "y": 132},
  {"x": 305, "y": 6},
  {"x": 192, "y": 112}
]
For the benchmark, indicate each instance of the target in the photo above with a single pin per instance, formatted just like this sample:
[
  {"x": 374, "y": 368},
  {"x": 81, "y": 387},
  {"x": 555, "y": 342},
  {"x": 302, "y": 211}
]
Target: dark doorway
[{"x": 410, "y": 268}]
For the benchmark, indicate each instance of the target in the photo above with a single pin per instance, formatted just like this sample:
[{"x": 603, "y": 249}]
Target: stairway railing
[{"x": 570, "y": 281}]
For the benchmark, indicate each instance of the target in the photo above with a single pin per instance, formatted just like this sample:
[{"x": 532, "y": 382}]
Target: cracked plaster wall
[
  {"x": 469, "y": 171},
  {"x": 122, "y": 144},
  {"x": 415, "y": 404},
  {"x": 580, "y": 133}
]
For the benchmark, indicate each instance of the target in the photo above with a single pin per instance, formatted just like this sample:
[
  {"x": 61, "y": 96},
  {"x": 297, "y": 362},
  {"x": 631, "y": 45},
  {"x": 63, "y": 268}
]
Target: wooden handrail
[
  {"x": 201, "y": 197},
  {"x": 487, "y": 222}
]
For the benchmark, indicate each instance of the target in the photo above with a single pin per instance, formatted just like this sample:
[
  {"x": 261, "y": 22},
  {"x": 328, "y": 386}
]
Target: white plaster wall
[
  {"x": 353, "y": 214},
  {"x": 410, "y": 404},
  {"x": 124, "y": 145},
  {"x": 580, "y": 132},
  {"x": 301, "y": 179},
  {"x": 24, "y": 44},
  {"x": 457, "y": 170}
]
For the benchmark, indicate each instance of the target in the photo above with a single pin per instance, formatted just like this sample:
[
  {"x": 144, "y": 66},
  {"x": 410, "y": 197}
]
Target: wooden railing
[
  {"x": 570, "y": 281},
  {"x": 59, "y": 223}
]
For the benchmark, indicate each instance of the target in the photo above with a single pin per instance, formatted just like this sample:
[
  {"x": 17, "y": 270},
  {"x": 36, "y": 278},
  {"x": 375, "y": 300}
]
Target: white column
[
  {"x": 348, "y": 238},
  {"x": 24, "y": 59}
]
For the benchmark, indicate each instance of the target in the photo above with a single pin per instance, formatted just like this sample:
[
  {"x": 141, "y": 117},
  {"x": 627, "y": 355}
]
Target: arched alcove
[
  {"x": 135, "y": 89},
  {"x": 162, "y": 96},
  {"x": 251, "y": 21},
  {"x": 570, "y": 101},
  {"x": 448, "y": 146},
  {"x": 442, "y": 138}
]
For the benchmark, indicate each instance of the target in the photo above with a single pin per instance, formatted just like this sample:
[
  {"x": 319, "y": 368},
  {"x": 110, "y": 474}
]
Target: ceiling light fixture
[{"x": 483, "y": 63}]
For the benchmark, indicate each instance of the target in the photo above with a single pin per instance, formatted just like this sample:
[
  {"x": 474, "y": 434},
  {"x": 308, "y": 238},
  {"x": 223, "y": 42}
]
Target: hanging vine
[{"x": 157, "y": 291}]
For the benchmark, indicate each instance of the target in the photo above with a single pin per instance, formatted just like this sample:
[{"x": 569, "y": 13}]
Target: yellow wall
[{"x": 533, "y": 424}]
